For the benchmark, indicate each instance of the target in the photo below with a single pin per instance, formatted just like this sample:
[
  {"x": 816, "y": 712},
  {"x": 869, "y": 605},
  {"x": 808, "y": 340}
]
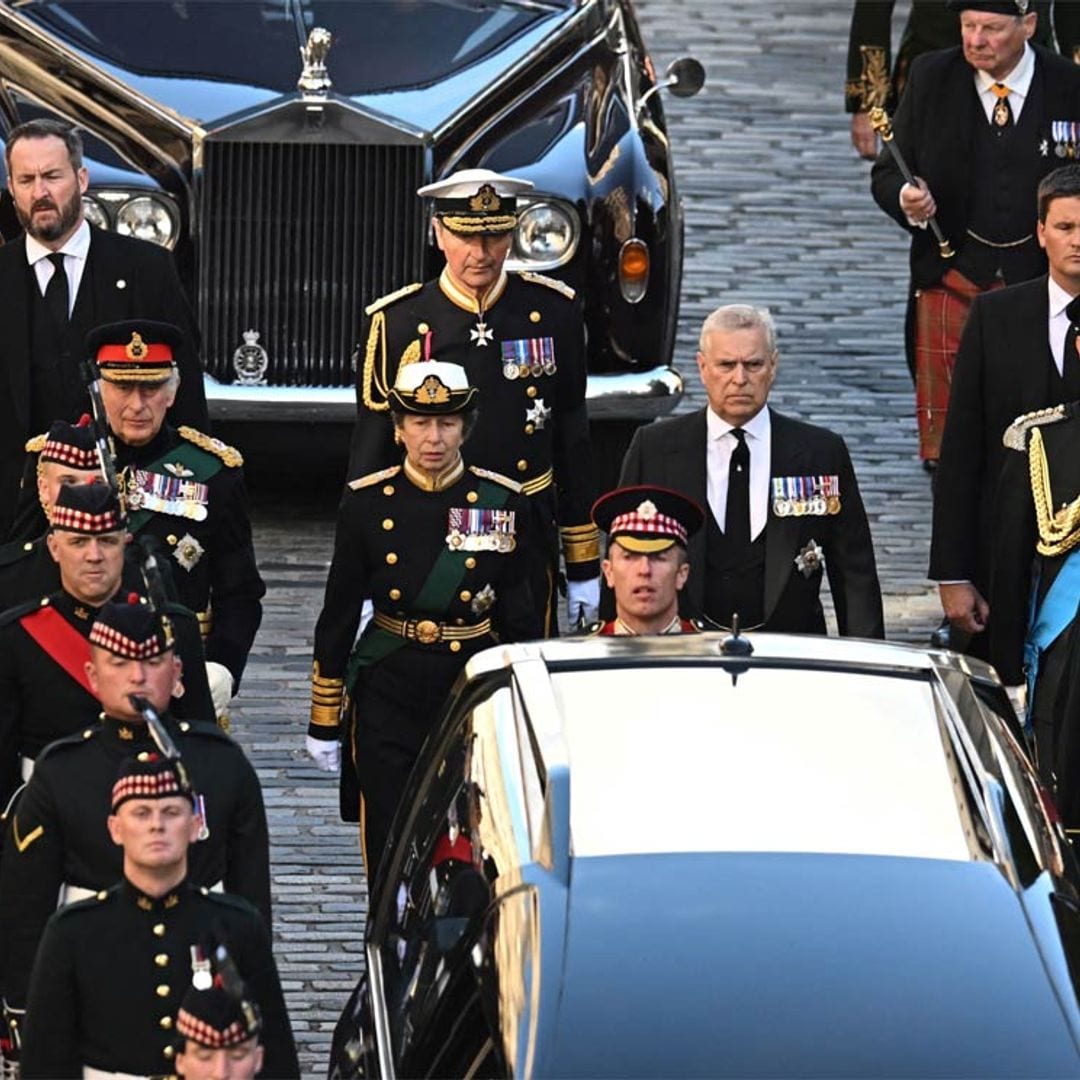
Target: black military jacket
[
  {"x": 111, "y": 973},
  {"x": 390, "y": 535},
  {"x": 26, "y": 570},
  {"x": 56, "y": 834},
  {"x": 526, "y": 353},
  {"x": 212, "y": 560}
]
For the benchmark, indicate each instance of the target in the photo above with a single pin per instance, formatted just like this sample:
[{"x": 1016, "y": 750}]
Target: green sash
[
  {"x": 203, "y": 466},
  {"x": 435, "y": 595}
]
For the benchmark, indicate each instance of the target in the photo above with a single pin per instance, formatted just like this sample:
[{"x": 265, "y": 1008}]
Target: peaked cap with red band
[
  {"x": 644, "y": 518},
  {"x": 132, "y": 629},
  {"x": 73, "y": 445},
  {"x": 86, "y": 508},
  {"x": 135, "y": 351},
  {"x": 150, "y": 776}
]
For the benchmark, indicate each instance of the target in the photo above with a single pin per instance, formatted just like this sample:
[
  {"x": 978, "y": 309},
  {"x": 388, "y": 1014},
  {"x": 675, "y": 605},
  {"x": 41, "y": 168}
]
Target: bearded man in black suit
[
  {"x": 783, "y": 503},
  {"x": 979, "y": 125},
  {"x": 1017, "y": 355},
  {"x": 62, "y": 278}
]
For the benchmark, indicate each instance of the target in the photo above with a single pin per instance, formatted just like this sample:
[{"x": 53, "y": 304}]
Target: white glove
[
  {"x": 326, "y": 753},
  {"x": 582, "y": 596},
  {"x": 367, "y": 612},
  {"x": 221, "y": 683}
]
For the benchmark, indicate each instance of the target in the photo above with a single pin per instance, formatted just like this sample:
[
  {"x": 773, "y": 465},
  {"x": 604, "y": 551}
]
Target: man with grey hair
[
  {"x": 783, "y": 505},
  {"x": 59, "y": 280}
]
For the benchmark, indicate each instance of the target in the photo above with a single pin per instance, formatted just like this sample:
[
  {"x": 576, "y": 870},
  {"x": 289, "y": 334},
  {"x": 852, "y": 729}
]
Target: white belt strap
[
  {"x": 90, "y": 1073},
  {"x": 27, "y": 768}
]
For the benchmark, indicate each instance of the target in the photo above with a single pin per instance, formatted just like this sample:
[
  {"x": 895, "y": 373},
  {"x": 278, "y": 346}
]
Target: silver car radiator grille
[{"x": 294, "y": 240}]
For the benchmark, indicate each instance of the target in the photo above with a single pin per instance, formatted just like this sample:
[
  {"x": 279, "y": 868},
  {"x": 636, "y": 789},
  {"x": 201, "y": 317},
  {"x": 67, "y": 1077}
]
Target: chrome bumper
[{"x": 637, "y": 395}]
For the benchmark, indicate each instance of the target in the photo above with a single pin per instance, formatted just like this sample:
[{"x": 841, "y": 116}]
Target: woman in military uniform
[{"x": 440, "y": 549}]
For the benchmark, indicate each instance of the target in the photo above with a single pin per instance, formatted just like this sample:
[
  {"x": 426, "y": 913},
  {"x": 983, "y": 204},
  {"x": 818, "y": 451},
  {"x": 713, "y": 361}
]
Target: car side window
[{"x": 443, "y": 889}]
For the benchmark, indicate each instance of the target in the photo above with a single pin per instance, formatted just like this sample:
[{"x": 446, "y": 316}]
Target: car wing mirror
[{"x": 684, "y": 78}]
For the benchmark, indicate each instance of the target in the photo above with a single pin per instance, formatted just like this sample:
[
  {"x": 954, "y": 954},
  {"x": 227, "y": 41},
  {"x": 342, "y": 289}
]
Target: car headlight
[
  {"x": 147, "y": 218},
  {"x": 546, "y": 236},
  {"x": 95, "y": 213}
]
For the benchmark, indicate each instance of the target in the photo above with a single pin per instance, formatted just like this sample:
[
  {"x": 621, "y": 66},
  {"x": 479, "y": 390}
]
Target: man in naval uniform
[
  {"x": 57, "y": 843},
  {"x": 521, "y": 339},
  {"x": 112, "y": 971},
  {"x": 783, "y": 503},
  {"x": 186, "y": 490},
  {"x": 647, "y": 566}
]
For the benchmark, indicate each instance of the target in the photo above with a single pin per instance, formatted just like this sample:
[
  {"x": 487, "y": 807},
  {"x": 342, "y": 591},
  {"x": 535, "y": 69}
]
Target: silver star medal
[
  {"x": 481, "y": 333},
  {"x": 483, "y": 600},
  {"x": 538, "y": 414},
  {"x": 1044, "y": 148},
  {"x": 188, "y": 551},
  {"x": 810, "y": 559}
]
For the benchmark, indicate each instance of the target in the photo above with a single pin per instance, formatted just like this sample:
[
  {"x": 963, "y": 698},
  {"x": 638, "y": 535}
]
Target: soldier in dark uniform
[
  {"x": 1035, "y": 591},
  {"x": 66, "y": 454},
  {"x": 218, "y": 1029},
  {"x": 44, "y": 643},
  {"x": 442, "y": 549},
  {"x": 57, "y": 843},
  {"x": 646, "y": 565},
  {"x": 111, "y": 971},
  {"x": 930, "y": 25},
  {"x": 184, "y": 488},
  {"x": 520, "y": 338}
]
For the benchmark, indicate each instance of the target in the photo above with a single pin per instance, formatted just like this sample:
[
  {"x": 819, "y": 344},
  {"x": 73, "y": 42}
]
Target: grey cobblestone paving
[{"x": 778, "y": 212}]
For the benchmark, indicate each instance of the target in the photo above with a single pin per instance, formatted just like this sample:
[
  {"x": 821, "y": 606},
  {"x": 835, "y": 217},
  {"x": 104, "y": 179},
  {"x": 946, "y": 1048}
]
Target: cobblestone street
[{"x": 778, "y": 212}]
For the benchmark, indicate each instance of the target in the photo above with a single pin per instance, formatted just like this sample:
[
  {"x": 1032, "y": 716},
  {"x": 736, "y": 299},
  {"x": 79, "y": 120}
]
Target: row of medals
[
  {"x": 523, "y": 371},
  {"x": 491, "y": 541},
  {"x": 816, "y": 506}
]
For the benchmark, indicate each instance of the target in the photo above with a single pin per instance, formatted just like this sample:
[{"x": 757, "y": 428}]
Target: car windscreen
[
  {"x": 698, "y": 758},
  {"x": 378, "y": 44}
]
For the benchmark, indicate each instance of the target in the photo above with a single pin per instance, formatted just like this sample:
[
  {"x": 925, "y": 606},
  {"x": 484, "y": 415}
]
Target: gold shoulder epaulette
[
  {"x": 389, "y": 298},
  {"x": 1015, "y": 437},
  {"x": 550, "y": 282},
  {"x": 374, "y": 478},
  {"x": 229, "y": 454},
  {"x": 496, "y": 478},
  {"x": 36, "y": 444}
]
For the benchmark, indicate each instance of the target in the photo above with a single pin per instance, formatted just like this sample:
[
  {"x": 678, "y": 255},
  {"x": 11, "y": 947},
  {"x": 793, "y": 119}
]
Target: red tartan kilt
[{"x": 940, "y": 314}]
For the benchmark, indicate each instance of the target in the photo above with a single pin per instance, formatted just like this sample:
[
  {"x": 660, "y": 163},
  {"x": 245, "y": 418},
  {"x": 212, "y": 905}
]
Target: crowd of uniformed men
[{"x": 134, "y": 833}]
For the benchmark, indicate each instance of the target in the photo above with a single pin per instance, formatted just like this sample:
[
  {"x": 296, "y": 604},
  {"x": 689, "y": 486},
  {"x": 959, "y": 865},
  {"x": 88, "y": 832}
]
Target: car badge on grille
[
  {"x": 251, "y": 361},
  {"x": 315, "y": 79}
]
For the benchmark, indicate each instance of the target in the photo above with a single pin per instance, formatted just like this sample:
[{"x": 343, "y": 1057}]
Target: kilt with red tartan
[{"x": 940, "y": 314}]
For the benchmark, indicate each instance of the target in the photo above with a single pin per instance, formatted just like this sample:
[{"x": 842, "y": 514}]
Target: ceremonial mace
[{"x": 879, "y": 121}]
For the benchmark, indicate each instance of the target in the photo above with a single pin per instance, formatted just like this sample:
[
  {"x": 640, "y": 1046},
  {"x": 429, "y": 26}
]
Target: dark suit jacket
[
  {"x": 150, "y": 289},
  {"x": 671, "y": 453},
  {"x": 1004, "y": 368},
  {"x": 935, "y": 128}
]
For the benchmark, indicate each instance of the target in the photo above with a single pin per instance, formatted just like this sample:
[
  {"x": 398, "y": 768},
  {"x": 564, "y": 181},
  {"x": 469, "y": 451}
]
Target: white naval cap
[
  {"x": 476, "y": 200},
  {"x": 432, "y": 386}
]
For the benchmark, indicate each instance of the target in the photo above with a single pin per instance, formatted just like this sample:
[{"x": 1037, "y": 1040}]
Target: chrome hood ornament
[{"x": 314, "y": 79}]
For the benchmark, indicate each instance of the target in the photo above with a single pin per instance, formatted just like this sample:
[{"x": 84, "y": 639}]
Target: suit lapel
[{"x": 781, "y": 533}]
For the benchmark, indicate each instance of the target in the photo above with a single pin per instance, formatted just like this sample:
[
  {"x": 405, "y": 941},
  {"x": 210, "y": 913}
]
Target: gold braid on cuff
[
  {"x": 326, "y": 695},
  {"x": 580, "y": 543}
]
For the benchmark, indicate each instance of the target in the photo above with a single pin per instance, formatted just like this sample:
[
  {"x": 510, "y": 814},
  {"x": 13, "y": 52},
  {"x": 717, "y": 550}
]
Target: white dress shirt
[
  {"x": 74, "y": 251},
  {"x": 719, "y": 446},
  {"x": 1059, "y": 322},
  {"x": 1018, "y": 82}
]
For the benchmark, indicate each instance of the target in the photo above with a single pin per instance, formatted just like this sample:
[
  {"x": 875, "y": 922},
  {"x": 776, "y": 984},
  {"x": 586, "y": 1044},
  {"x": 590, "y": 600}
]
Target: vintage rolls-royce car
[
  {"x": 698, "y": 856},
  {"x": 277, "y": 145}
]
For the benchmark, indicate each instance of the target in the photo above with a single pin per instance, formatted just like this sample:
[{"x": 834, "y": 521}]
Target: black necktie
[
  {"x": 737, "y": 517},
  {"x": 1001, "y": 115},
  {"x": 56, "y": 292},
  {"x": 1070, "y": 359}
]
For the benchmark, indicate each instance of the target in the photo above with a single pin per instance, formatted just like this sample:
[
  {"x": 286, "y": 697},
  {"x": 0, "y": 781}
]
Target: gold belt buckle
[{"x": 427, "y": 632}]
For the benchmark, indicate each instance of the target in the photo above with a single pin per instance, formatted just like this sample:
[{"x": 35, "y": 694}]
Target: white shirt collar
[
  {"x": 77, "y": 245},
  {"x": 1059, "y": 298},
  {"x": 758, "y": 427},
  {"x": 1018, "y": 80}
]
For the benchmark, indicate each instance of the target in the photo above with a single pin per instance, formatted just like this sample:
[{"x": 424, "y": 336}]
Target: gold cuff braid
[
  {"x": 326, "y": 696},
  {"x": 580, "y": 543}
]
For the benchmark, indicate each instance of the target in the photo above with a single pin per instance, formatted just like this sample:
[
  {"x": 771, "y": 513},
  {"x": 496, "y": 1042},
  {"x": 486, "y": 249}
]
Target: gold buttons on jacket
[
  {"x": 465, "y": 595},
  {"x": 162, "y": 990},
  {"x": 388, "y": 524},
  {"x": 166, "y": 1022},
  {"x": 168, "y": 1051},
  {"x": 534, "y": 316},
  {"x": 172, "y": 540},
  {"x": 422, "y": 328},
  {"x": 161, "y": 959},
  {"x": 530, "y": 428},
  {"x": 530, "y": 391},
  {"x": 455, "y": 646},
  {"x": 159, "y": 929},
  {"x": 395, "y": 594},
  {"x": 470, "y": 563},
  {"x": 391, "y": 558},
  {"x": 471, "y": 497},
  {"x": 522, "y": 465},
  {"x": 388, "y": 490}
]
